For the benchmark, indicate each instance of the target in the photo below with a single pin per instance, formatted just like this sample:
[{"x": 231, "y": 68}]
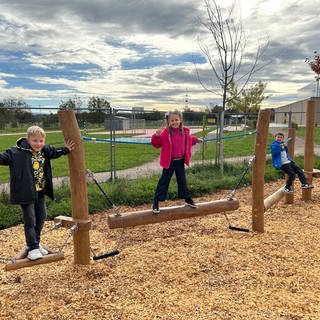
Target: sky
[{"x": 145, "y": 53}]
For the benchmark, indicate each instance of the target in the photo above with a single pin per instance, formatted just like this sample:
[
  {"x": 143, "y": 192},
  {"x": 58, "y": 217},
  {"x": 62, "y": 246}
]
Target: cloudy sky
[{"x": 142, "y": 53}]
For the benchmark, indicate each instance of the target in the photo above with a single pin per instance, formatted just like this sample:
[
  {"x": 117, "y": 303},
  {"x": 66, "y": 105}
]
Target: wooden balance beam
[
  {"x": 21, "y": 260},
  {"x": 136, "y": 218},
  {"x": 316, "y": 173},
  {"x": 273, "y": 198}
]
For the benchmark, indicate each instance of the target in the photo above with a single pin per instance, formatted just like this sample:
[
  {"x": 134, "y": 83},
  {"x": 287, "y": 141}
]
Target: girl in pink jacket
[{"x": 175, "y": 142}]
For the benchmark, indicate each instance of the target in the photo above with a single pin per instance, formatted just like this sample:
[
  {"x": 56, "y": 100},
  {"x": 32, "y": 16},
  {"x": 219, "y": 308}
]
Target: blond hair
[{"x": 34, "y": 130}]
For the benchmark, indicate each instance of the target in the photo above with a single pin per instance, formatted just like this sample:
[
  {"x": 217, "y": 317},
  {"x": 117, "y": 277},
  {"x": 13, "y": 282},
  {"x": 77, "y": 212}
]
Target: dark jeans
[
  {"x": 34, "y": 216},
  {"x": 176, "y": 166},
  {"x": 291, "y": 169}
]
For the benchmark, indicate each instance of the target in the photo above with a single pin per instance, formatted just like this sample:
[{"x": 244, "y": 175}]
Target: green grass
[
  {"x": 232, "y": 147},
  {"x": 97, "y": 155},
  {"x": 202, "y": 180},
  {"x": 301, "y": 131}
]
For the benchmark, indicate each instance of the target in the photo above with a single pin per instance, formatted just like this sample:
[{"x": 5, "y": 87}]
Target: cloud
[{"x": 141, "y": 52}]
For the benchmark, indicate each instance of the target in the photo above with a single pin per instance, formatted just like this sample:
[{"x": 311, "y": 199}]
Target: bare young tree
[{"x": 226, "y": 55}]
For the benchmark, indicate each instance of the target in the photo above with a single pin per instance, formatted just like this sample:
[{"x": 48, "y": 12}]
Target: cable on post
[
  {"x": 71, "y": 232},
  {"x": 90, "y": 174},
  {"x": 233, "y": 192},
  {"x": 231, "y": 227},
  {"x": 55, "y": 226}
]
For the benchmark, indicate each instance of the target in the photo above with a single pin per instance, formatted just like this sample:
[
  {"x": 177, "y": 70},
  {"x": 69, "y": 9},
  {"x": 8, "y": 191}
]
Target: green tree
[
  {"x": 247, "y": 100},
  {"x": 225, "y": 52},
  {"x": 99, "y": 108},
  {"x": 74, "y": 103},
  {"x": 97, "y": 104}
]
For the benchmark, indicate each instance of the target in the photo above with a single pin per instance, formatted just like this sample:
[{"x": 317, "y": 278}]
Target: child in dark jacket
[
  {"x": 281, "y": 160},
  {"x": 175, "y": 142},
  {"x": 31, "y": 180}
]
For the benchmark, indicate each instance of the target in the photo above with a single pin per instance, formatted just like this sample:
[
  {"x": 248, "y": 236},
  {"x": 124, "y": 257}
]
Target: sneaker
[
  {"x": 34, "y": 254},
  {"x": 43, "y": 251},
  {"x": 306, "y": 186},
  {"x": 288, "y": 189},
  {"x": 155, "y": 209},
  {"x": 189, "y": 202}
]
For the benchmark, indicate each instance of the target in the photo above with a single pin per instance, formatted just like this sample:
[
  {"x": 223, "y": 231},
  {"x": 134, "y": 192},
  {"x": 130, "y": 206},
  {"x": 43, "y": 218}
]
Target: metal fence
[{"x": 112, "y": 154}]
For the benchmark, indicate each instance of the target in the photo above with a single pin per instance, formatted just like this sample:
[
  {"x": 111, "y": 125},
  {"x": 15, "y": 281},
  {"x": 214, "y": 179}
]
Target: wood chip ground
[{"x": 194, "y": 269}]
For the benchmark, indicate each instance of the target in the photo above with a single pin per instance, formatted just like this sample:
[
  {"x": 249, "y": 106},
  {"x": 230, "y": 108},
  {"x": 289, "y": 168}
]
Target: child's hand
[
  {"x": 158, "y": 131},
  {"x": 70, "y": 144}
]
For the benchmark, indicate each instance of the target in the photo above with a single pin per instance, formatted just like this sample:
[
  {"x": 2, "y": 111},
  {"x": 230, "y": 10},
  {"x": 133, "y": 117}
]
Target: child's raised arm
[{"x": 158, "y": 131}]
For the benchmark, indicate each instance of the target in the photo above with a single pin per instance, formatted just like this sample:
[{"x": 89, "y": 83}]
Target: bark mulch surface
[{"x": 188, "y": 269}]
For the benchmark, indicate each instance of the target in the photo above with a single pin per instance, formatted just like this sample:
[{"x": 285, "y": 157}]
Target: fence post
[
  {"x": 78, "y": 185},
  {"x": 258, "y": 170}
]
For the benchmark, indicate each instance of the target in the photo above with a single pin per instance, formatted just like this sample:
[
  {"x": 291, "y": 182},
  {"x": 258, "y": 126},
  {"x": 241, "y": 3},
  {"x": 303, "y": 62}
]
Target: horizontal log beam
[
  {"x": 136, "y": 218},
  {"x": 24, "y": 263},
  {"x": 68, "y": 222},
  {"x": 274, "y": 198}
]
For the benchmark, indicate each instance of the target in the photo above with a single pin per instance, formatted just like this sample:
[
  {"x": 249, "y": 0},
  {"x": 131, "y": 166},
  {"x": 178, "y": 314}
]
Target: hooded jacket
[
  {"x": 164, "y": 142},
  {"x": 276, "y": 149},
  {"x": 22, "y": 180}
]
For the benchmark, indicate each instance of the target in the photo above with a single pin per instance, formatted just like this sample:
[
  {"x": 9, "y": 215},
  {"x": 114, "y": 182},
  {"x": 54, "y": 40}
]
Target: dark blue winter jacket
[{"x": 22, "y": 180}]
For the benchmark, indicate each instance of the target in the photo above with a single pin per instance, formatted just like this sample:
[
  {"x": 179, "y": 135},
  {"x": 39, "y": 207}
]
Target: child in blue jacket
[{"x": 281, "y": 160}]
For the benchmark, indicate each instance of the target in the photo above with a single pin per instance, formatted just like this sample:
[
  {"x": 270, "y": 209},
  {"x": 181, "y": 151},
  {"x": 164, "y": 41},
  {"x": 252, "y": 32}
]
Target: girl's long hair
[{"x": 179, "y": 114}]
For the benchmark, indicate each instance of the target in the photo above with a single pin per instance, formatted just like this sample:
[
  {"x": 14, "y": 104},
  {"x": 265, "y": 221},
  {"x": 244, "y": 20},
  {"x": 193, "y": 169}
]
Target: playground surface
[{"x": 194, "y": 269}]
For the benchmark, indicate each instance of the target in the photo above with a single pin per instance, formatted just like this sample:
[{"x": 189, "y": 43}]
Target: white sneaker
[
  {"x": 43, "y": 251},
  {"x": 34, "y": 254}
]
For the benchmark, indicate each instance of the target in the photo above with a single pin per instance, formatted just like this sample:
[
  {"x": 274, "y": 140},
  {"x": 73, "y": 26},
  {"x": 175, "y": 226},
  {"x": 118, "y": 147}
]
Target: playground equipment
[
  {"x": 136, "y": 218},
  {"x": 259, "y": 204},
  {"x": 21, "y": 260},
  {"x": 80, "y": 223}
]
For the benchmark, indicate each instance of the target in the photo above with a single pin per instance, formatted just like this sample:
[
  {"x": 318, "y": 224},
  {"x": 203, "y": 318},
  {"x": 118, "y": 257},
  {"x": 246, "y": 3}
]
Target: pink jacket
[{"x": 164, "y": 142}]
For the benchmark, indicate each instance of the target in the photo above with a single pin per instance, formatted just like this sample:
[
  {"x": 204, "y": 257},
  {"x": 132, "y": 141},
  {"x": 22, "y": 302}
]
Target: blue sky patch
[{"x": 153, "y": 61}]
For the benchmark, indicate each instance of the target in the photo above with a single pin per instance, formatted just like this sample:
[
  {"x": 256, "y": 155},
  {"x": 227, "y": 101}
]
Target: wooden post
[
  {"x": 309, "y": 147},
  {"x": 137, "y": 218},
  {"x": 289, "y": 198},
  {"x": 78, "y": 185},
  {"x": 258, "y": 170}
]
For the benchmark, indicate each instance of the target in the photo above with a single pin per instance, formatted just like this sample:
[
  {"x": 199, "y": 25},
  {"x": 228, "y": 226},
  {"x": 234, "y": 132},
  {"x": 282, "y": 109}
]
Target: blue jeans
[
  {"x": 34, "y": 216},
  {"x": 177, "y": 167}
]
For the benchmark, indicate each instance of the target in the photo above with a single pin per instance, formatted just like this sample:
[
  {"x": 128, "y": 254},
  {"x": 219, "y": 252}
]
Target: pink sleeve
[
  {"x": 194, "y": 140},
  {"x": 156, "y": 141}
]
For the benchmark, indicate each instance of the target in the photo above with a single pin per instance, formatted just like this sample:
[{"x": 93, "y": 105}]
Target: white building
[{"x": 296, "y": 112}]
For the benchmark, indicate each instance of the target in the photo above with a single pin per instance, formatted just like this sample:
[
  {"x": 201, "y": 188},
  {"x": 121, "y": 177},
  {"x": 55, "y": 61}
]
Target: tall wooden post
[
  {"x": 309, "y": 147},
  {"x": 78, "y": 185},
  {"x": 291, "y": 143},
  {"x": 258, "y": 170}
]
